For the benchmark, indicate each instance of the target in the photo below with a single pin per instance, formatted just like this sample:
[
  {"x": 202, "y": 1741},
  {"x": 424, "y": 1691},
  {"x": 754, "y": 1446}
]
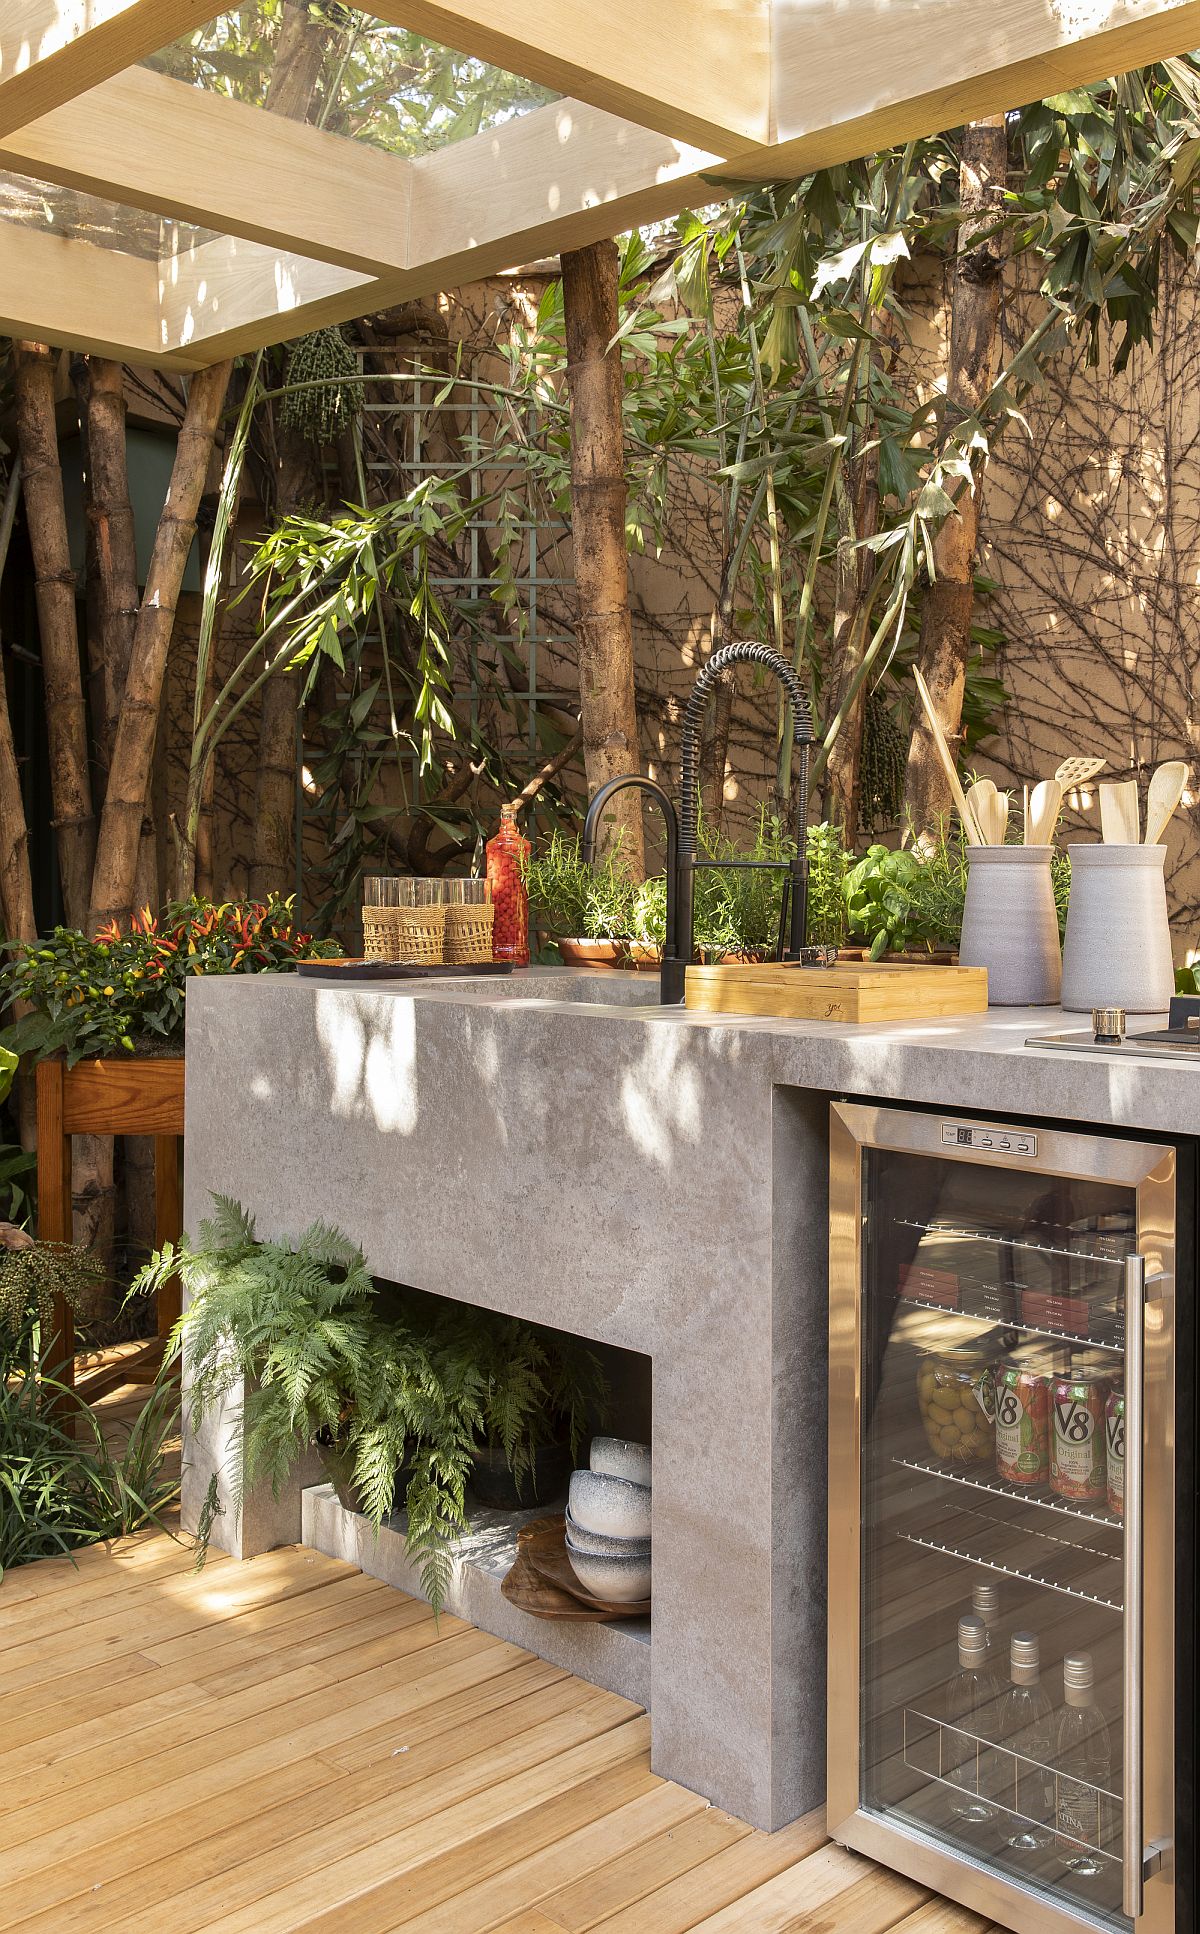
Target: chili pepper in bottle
[{"x": 507, "y": 851}]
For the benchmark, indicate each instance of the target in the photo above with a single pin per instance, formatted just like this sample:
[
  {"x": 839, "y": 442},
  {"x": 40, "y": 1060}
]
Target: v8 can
[
  {"x": 1114, "y": 1444},
  {"x": 1077, "y": 1458},
  {"x": 1022, "y": 1424}
]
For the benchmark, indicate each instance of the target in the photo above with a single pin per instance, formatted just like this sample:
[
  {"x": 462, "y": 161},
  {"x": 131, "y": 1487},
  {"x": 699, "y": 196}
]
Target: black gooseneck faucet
[{"x": 682, "y": 829}]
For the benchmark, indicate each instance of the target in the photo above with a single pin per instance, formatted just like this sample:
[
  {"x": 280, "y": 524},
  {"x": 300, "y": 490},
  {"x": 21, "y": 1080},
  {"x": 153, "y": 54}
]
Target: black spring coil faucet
[{"x": 683, "y": 828}]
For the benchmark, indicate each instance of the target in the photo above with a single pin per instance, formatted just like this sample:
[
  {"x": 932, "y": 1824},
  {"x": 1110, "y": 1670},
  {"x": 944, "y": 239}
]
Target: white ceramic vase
[
  {"x": 1117, "y": 951},
  {"x": 1010, "y": 925}
]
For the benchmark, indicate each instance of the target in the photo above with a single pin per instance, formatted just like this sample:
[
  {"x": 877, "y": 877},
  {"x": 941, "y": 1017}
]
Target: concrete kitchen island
[{"x": 646, "y": 1178}]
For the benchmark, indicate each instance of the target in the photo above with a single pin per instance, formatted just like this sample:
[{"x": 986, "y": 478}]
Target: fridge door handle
[{"x": 1132, "y": 1847}]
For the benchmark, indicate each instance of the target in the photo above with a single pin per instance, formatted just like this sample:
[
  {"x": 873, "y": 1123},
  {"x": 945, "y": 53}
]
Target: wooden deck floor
[{"x": 287, "y": 1744}]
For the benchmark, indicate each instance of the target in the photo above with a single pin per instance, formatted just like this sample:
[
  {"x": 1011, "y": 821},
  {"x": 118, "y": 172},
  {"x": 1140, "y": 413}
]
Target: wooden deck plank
[
  {"x": 361, "y": 1651},
  {"x": 202, "y": 1858},
  {"x": 506, "y": 1868},
  {"x": 388, "y": 1838},
  {"x": 33, "y": 1661},
  {"x": 286, "y": 1747},
  {"x": 76, "y": 1856},
  {"x": 627, "y": 1877},
  {"x": 252, "y": 1642},
  {"x": 737, "y": 1870},
  {"x": 252, "y": 1744}
]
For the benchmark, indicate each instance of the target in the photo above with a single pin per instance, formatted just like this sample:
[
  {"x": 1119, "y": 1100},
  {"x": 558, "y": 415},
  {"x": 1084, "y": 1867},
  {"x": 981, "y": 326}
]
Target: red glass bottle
[{"x": 507, "y": 852}]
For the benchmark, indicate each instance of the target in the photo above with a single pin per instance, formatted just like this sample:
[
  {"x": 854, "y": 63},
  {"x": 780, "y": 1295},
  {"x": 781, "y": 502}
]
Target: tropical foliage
[
  {"x": 398, "y": 1389},
  {"x": 62, "y": 1482}
]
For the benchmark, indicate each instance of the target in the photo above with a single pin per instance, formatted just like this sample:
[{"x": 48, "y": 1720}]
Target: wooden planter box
[{"x": 134, "y": 1096}]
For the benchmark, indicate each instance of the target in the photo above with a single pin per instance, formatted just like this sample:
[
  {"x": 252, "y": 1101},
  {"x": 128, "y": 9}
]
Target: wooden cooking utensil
[
  {"x": 1120, "y": 818},
  {"x": 981, "y": 800},
  {"x": 1077, "y": 772},
  {"x": 1164, "y": 794},
  {"x": 1042, "y": 817},
  {"x": 1001, "y": 807},
  {"x": 974, "y": 836}
]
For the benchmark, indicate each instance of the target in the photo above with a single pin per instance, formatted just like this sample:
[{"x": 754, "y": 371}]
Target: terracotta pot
[
  {"x": 593, "y": 953},
  {"x": 644, "y": 956}
]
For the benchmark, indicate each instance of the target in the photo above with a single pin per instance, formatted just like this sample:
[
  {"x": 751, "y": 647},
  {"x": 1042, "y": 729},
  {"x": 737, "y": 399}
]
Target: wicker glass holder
[
  {"x": 470, "y": 918},
  {"x": 404, "y": 920},
  {"x": 414, "y": 936},
  {"x": 469, "y": 934}
]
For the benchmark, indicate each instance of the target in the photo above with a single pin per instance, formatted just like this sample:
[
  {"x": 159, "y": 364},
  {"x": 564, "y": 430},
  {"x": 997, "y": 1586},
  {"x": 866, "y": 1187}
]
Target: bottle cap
[
  {"x": 972, "y": 1639},
  {"x": 986, "y": 1601},
  {"x": 1078, "y": 1672},
  {"x": 1025, "y": 1648}
]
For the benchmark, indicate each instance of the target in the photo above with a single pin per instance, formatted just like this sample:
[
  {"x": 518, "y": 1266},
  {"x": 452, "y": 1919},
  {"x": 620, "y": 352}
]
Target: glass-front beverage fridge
[{"x": 1012, "y": 1521}]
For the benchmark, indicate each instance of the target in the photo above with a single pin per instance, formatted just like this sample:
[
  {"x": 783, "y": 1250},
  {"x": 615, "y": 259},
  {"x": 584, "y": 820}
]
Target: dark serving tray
[{"x": 396, "y": 970}]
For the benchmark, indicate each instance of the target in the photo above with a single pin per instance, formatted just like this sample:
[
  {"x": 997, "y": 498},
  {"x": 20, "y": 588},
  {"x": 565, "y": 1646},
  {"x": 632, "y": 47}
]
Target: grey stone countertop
[{"x": 978, "y": 1062}]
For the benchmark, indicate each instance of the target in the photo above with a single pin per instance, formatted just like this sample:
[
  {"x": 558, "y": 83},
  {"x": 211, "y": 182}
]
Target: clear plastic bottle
[
  {"x": 1027, "y": 1731},
  {"x": 972, "y": 1712},
  {"x": 1083, "y": 1761}
]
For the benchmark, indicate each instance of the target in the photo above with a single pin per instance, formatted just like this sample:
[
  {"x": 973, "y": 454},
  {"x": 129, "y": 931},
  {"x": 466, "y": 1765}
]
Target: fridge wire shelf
[
  {"x": 1017, "y": 1493},
  {"x": 1018, "y": 1244},
  {"x": 978, "y": 1526},
  {"x": 1001, "y": 1319},
  {"x": 997, "y": 1770}
]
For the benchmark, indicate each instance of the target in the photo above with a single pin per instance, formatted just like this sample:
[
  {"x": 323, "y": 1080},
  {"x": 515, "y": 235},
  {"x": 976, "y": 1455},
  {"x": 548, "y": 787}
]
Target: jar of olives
[{"x": 958, "y": 1405}]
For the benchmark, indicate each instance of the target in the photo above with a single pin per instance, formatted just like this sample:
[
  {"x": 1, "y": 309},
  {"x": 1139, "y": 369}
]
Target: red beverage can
[
  {"x": 1022, "y": 1424},
  {"x": 1114, "y": 1446},
  {"x": 1077, "y": 1458}
]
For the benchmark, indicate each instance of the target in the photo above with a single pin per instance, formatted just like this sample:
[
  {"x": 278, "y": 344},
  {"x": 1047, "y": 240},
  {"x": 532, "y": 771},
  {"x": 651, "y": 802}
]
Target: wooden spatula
[
  {"x": 1120, "y": 819},
  {"x": 974, "y": 836},
  {"x": 1164, "y": 794},
  {"x": 1077, "y": 772},
  {"x": 981, "y": 801},
  {"x": 1042, "y": 817}
]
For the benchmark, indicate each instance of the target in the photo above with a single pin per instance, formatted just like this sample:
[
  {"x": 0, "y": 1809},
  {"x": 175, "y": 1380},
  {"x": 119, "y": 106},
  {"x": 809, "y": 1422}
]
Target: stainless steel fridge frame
[{"x": 1149, "y": 1169}]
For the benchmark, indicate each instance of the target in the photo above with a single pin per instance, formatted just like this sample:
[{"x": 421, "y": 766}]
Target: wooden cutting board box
[{"x": 853, "y": 990}]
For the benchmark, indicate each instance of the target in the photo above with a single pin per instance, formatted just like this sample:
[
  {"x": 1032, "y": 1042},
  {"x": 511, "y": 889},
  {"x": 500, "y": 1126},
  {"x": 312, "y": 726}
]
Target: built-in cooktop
[{"x": 1178, "y": 1041}]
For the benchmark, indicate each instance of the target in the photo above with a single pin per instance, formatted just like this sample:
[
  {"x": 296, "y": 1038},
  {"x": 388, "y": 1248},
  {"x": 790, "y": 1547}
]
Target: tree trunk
[
  {"x": 608, "y": 706},
  {"x": 66, "y": 714},
  {"x": 300, "y": 51},
  {"x": 113, "y": 546},
  {"x": 297, "y": 487},
  {"x": 856, "y": 571},
  {"x": 16, "y": 885},
  {"x": 948, "y": 604},
  {"x": 133, "y": 750}
]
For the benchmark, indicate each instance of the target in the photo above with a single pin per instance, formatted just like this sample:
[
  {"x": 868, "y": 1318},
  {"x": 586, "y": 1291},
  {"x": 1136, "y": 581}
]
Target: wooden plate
[
  {"x": 396, "y": 970},
  {"x": 543, "y": 1545}
]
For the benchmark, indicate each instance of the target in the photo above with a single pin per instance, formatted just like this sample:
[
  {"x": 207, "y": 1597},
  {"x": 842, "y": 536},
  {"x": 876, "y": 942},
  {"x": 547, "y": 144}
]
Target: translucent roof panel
[
  {"x": 349, "y": 73},
  {"x": 85, "y": 218}
]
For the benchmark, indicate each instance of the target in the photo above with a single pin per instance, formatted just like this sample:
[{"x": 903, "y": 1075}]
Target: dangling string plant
[{"x": 320, "y": 398}]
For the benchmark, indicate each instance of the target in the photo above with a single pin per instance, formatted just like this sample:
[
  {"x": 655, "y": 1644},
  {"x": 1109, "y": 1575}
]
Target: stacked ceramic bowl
[{"x": 608, "y": 1522}]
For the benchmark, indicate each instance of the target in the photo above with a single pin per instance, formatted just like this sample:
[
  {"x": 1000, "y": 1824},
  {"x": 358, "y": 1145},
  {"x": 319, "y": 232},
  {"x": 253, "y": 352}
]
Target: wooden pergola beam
[
  {"x": 70, "y": 293},
  {"x": 923, "y": 65},
  {"x": 51, "y": 50},
  {"x": 229, "y": 296},
  {"x": 152, "y": 142},
  {"x": 560, "y": 177},
  {"x": 699, "y": 69}
]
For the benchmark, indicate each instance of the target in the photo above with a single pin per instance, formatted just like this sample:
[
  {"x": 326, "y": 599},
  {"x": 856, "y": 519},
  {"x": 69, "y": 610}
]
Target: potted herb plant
[{"x": 587, "y": 911}]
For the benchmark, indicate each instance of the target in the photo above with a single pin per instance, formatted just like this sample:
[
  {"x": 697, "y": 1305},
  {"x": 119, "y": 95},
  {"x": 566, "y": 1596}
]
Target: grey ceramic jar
[
  {"x": 1117, "y": 951},
  {"x": 1010, "y": 925}
]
